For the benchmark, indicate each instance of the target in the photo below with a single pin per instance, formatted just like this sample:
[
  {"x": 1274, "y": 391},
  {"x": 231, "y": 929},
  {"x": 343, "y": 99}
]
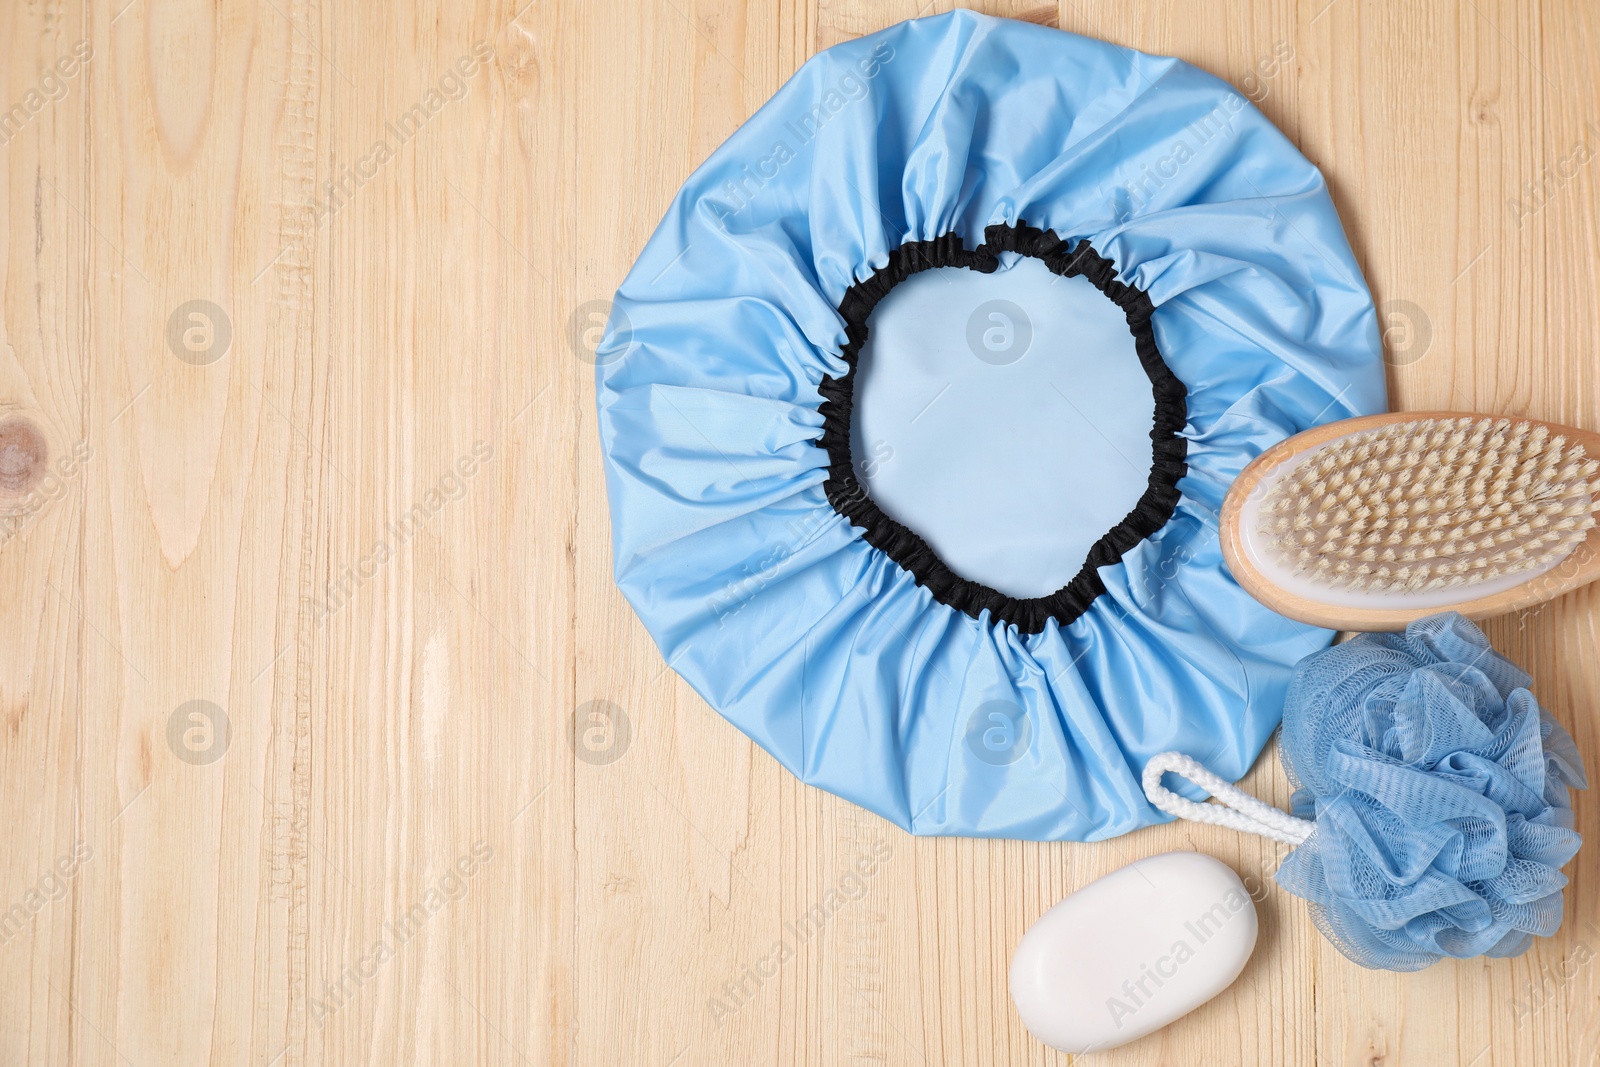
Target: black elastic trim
[{"x": 1169, "y": 449}]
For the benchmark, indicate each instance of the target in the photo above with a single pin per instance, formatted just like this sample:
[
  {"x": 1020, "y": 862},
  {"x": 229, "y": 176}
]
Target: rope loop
[{"x": 1234, "y": 809}]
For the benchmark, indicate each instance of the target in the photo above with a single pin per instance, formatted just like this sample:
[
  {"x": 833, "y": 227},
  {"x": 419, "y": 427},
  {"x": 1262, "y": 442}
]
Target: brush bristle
[{"x": 1432, "y": 504}]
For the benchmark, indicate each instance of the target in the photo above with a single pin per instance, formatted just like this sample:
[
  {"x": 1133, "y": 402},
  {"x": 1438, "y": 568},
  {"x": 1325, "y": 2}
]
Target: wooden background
[{"x": 398, "y": 848}]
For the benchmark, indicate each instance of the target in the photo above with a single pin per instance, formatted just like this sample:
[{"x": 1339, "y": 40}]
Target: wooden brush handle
[{"x": 1579, "y": 568}]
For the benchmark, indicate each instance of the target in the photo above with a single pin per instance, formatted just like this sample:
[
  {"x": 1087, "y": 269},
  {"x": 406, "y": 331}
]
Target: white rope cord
[{"x": 1234, "y": 809}]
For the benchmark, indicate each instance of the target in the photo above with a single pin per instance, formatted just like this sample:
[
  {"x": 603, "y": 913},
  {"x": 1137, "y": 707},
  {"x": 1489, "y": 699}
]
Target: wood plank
[{"x": 462, "y": 811}]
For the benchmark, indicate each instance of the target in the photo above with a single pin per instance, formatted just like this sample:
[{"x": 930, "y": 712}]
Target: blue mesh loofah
[{"x": 1439, "y": 790}]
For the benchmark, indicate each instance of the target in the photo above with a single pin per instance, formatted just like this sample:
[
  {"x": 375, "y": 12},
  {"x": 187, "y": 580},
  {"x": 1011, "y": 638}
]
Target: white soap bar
[{"x": 1129, "y": 953}]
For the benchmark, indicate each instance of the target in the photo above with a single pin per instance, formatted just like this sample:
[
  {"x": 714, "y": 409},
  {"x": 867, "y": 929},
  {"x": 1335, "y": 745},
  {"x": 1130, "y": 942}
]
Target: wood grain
[{"x": 406, "y": 823}]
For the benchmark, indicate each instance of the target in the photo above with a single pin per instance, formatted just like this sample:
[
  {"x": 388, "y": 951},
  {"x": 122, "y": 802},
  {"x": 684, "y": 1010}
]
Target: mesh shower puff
[{"x": 1438, "y": 786}]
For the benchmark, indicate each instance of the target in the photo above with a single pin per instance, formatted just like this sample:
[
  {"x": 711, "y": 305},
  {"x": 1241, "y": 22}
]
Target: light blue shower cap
[{"x": 867, "y": 657}]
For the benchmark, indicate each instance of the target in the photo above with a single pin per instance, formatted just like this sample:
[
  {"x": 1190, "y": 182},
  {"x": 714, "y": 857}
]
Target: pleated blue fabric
[{"x": 779, "y": 611}]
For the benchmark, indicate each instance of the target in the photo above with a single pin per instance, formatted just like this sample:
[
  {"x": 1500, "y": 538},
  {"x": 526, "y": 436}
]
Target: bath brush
[{"x": 1372, "y": 523}]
